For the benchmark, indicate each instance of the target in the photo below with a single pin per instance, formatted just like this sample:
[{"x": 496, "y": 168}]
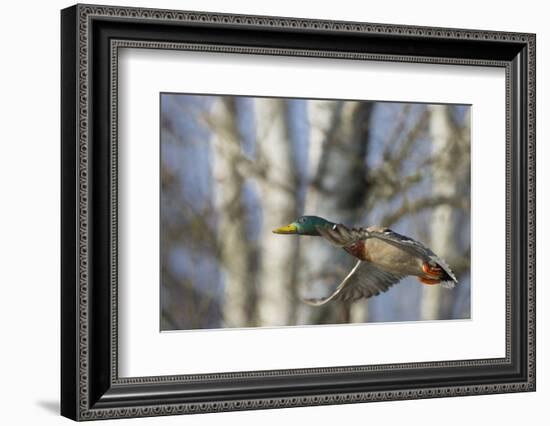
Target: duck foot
[
  {"x": 429, "y": 281},
  {"x": 434, "y": 271}
]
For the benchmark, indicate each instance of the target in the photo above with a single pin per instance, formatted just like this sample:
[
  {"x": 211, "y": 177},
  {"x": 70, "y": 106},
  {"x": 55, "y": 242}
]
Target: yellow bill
[{"x": 288, "y": 229}]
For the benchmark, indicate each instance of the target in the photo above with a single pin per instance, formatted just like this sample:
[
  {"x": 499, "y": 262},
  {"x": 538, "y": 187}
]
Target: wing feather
[
  {"x": 364, "y": 280},
  {"x": 416, "y": 248},
  {"x": 340, "y": 235}
]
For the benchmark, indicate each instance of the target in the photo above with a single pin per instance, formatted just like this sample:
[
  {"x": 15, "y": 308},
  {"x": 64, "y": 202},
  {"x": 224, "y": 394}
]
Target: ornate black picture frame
[{"x": 91, "y": 36}]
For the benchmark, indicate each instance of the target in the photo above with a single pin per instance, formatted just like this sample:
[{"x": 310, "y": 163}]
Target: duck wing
[
  {"x": 341, "y": 236},
  {"x": 415, "y": 248},
  {"x": 364, "y": 280}
]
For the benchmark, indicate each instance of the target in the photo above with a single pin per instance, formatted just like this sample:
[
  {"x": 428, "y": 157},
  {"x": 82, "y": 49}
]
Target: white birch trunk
[
  {"x": 442, "y": 221},
  {"x": 234, "y": 247},
  {"x": 277, "y": 295},
  {"x": 314, "y": 252},
  {"x": 338, "y": 140}
]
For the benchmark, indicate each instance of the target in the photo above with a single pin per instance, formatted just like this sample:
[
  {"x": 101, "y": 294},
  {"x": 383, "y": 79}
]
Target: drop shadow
[{"x": 50, "y": 406}]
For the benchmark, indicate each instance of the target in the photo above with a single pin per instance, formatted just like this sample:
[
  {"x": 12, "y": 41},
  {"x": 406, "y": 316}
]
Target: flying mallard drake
[{"x": 385, "y": 257}]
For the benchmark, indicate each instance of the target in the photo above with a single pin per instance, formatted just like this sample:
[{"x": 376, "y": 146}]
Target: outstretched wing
[
  {"x": 415, "y": 248},
  {"x": 340, "y": 235},
  {"x": 365, "y": 280}
]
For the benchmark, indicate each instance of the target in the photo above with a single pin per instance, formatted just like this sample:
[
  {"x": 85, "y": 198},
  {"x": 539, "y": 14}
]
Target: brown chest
[{"x": 358, "y": 249}]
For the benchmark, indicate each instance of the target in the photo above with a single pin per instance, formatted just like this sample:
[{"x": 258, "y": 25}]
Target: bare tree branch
[{"x": 420, "y": 204}]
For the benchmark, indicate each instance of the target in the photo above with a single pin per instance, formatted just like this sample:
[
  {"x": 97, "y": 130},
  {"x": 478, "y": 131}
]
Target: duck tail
[
  {"x": 448, "y": 282},
  {"x": 448, "y": 278},
  {"x": 443, "y": 271}
]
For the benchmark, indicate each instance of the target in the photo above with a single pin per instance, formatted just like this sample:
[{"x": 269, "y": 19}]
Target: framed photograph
[{"x": 263, "y": 212}]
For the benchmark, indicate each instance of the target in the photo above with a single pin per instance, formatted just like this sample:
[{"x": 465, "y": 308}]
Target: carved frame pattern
[{"x": 85, "y": 408}]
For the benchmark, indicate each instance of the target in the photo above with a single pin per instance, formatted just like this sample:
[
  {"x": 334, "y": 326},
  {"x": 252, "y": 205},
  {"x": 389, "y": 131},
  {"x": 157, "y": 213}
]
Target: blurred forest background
[{"x": 234, "y": 168}]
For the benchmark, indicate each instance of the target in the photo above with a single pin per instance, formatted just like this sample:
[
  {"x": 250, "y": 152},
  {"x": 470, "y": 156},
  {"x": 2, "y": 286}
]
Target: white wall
[{"x": 29, "y": 210}]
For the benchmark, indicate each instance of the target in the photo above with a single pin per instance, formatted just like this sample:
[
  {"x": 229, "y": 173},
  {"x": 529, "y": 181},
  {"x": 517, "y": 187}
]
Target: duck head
[{"x": 305, "y": 225}]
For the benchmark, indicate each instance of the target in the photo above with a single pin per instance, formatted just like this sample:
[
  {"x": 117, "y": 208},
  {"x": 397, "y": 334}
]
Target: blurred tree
[
  {"x": 279, "y": 196},
  {"x": 234, "y": 168},
  {"x": 190, "y": 296},
  {"x": 339, "y": 135},
  {"x": 232, "y": 235},
  {"x": 447, "y": 176}
]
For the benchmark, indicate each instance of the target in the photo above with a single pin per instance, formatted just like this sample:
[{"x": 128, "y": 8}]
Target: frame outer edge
[
  {"x": 69, "y": 281},
  {"x": 531, "y": 213},
  {"x": 80, "y": 318}
]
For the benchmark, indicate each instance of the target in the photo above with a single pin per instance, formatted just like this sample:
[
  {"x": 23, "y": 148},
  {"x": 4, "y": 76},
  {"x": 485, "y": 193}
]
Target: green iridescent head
[{"x": 305, "y": 225}]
